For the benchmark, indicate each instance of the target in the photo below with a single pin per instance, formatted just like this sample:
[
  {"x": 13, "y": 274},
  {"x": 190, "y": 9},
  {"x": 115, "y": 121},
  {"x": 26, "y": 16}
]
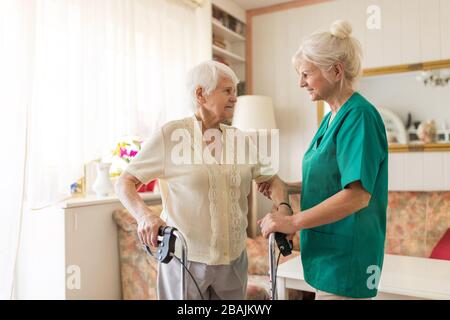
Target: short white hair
[
  {"x": 324, "y": 49},
  {"x": 206, "y": 75}
]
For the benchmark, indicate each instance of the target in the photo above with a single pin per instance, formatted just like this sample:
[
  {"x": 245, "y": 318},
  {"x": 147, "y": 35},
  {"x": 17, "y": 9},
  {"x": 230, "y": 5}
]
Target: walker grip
[
  {"x": 166, "y": 247},
  {"x": 283, "y": 244}
]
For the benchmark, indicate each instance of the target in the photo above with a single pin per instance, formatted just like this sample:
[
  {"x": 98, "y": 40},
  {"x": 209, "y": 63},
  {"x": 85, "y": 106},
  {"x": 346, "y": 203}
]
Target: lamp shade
[{"x": 254, "y": 112}]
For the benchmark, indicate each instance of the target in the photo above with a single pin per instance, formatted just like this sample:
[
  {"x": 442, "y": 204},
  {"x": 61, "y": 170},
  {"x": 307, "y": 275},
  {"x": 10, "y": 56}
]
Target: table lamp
[{"x": 253, "y": 112}]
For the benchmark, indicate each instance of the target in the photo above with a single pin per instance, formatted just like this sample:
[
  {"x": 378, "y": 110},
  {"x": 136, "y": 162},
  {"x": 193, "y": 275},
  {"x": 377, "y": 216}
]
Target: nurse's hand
[{"x": 276, "y": 222}]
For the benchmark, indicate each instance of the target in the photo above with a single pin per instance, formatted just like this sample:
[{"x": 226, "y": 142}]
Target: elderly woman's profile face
[
  {"x": 312, "y": 79},
  {"x": 222, "y": 100}
]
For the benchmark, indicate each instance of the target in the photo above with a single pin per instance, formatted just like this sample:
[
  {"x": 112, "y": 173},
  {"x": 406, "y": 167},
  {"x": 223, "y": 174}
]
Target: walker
[
  {"x": 166, "y": 249},
  {"x": 285, "y": 248}
]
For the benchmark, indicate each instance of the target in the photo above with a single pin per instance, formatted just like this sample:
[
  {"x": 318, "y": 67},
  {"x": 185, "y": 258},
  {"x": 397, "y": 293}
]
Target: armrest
[{"x": 258, "y": 259}]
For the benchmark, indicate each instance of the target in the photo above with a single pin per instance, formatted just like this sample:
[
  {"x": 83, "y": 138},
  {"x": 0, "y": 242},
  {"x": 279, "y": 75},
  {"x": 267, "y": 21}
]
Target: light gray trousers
[{"x": 216, "y": 282}]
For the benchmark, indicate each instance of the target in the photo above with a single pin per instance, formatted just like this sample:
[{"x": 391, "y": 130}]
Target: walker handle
[
  {"x": 283, "y": 244},
  {"x": 166, "y": 247}
]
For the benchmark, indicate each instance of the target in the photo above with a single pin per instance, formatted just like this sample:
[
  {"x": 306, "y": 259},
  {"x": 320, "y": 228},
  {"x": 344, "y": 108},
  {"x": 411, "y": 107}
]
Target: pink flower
[
  {"x": 123, "y": 152},
  {"x": 133, "y": 153}
]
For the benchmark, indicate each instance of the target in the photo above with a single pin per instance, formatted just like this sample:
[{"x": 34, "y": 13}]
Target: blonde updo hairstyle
[{"x": 325, "y": 49}]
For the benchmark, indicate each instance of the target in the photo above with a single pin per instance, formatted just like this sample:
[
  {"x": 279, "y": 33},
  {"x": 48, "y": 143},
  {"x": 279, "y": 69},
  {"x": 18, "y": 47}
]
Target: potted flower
[{"x": 122, "y": 155}]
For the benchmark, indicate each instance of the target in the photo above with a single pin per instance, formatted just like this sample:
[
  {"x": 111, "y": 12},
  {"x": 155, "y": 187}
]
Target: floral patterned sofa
[
  {"x": 138, "y": 271},
  {"x": 416, "y": 222}
]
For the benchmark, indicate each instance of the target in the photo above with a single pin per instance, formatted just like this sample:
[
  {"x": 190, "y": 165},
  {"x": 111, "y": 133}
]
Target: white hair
[
  {"x": 206, "y": 75},
  {"x": 324, "y": 49}
]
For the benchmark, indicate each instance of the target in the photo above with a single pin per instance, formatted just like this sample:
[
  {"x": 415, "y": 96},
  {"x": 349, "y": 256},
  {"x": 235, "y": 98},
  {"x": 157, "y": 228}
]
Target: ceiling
[{"x": 253, "y": 4}]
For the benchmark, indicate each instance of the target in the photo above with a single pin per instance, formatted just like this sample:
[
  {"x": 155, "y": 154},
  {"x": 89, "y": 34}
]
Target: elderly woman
[
  {"x": 344, "y": 175},
  {"x": 206, "y": 197}
]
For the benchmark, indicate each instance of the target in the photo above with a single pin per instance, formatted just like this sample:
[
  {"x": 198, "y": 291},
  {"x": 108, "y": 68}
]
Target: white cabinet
[
  {"x": 433, "y": 169},
  {"x": 414, "y": 171},
  {"x": 446, "y": 172},
  {"x": 419, "y": 171},
  {"x": 71, "y": 251},
  {"x": 396, "y": 171}
]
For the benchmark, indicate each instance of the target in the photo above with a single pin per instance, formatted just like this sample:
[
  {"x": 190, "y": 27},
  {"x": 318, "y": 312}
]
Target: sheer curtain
[{"x": 75, "y": 76}]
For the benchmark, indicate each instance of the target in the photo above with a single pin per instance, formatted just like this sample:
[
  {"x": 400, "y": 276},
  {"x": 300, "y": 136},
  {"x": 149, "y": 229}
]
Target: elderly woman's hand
[
  {"x": 275, "y": 189},
  {"x": 277, "y": 222},
  {"x": 148, "y": 227},
  {"x": 264, "y": 188}
]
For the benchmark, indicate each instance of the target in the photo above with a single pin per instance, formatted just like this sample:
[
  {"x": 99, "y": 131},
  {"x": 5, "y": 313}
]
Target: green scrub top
[{"x": 346, "y": 257}]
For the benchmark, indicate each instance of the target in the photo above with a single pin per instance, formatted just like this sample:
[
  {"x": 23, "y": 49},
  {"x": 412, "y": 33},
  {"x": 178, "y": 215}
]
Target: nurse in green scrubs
[{"x": 344, "y": 187}]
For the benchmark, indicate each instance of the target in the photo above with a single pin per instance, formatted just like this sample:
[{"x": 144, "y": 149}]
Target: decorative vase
[
  {"x": 102, "y": 185},
  {"x": 427, "y": 131}
]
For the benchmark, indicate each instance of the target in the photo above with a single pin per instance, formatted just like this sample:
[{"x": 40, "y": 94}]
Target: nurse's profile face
[{"x": 312, "y": 79}]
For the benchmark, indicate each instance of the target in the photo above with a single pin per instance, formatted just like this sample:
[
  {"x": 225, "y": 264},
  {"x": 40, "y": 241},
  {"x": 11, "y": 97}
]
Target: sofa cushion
[
  {"x": 127, "y": 222},
  {"x": 124, "y": 220},
  {"x": 258, "y": 253},
  {"x": 137, "y": 270},
  {"x": 257, "y": 256},
  {"x": 442, "y": 248},
  {"x": 258, "y": 287}
]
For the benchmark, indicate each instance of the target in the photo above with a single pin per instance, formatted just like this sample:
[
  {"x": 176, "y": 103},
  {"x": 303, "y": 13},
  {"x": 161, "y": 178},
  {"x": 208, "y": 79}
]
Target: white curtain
[
  {"x": 15, "y": 85},
  {"x": 75, "y": 75}
]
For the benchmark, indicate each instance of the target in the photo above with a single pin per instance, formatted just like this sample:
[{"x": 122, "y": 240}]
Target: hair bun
[{"x": 341, "y": 29}]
